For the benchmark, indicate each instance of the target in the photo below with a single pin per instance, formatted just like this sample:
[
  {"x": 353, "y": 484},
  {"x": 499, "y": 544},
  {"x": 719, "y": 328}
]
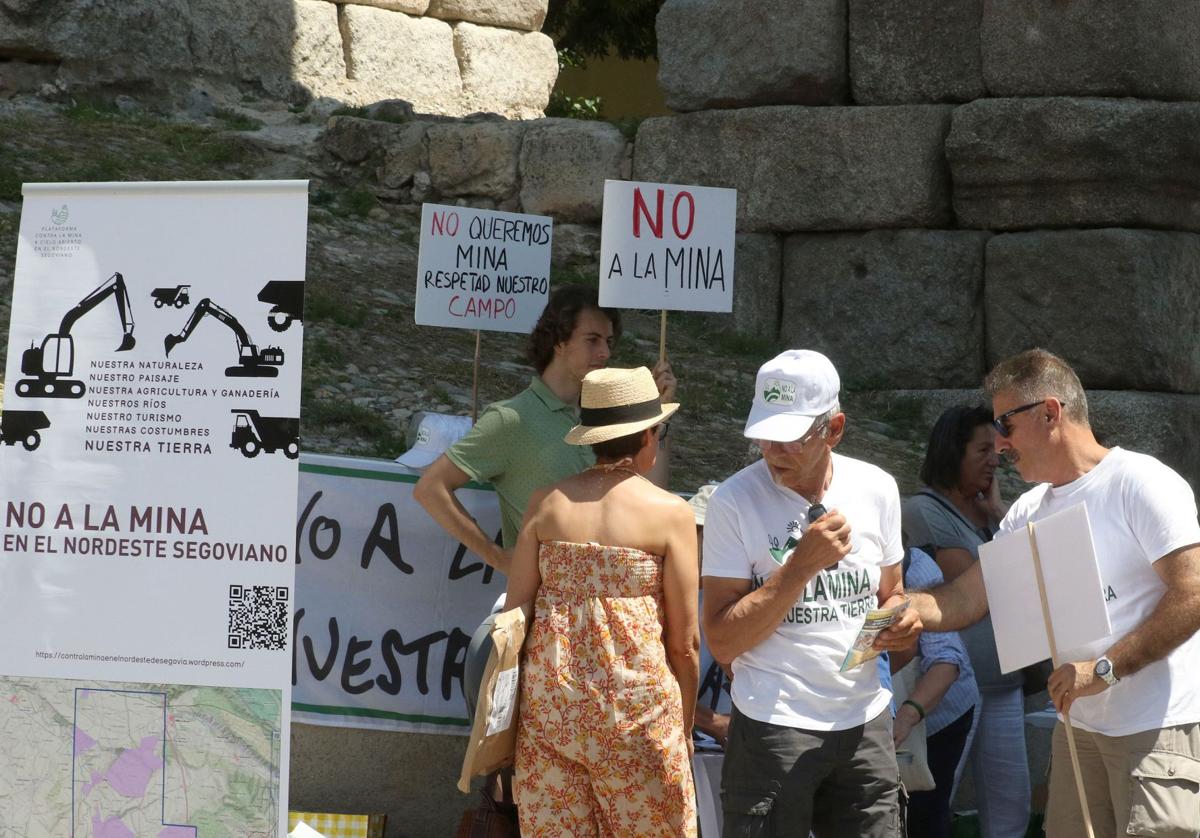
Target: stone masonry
[
  {"x": 447, "y": 57},
  {"x": 923, "y": 187}
]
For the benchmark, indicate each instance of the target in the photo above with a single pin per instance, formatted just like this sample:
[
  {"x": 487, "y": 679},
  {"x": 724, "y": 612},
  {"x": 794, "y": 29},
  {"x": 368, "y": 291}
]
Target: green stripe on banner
[
  {"x": 389, "y": 477},
  {"x": 377, "y": 714}
]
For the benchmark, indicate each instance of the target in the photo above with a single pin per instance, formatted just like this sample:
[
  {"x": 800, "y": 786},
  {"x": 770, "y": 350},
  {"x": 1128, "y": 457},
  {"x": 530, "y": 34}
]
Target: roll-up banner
[{"x": 148, "y": 478}]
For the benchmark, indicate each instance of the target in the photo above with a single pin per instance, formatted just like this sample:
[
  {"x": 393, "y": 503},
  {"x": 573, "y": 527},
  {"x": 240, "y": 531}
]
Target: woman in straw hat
[{"x": 608, "y": 685}]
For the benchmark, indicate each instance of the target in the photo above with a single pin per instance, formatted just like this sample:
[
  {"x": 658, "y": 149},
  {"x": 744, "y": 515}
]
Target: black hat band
[{"x": 594, "y": 417}]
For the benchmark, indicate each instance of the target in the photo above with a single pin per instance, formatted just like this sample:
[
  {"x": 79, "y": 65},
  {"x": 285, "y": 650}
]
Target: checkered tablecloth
[{"x": 340, "y": 826}]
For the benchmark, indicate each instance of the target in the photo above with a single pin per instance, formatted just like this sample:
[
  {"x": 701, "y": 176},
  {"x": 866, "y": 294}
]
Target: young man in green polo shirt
[{"x": 517, "y": 444}]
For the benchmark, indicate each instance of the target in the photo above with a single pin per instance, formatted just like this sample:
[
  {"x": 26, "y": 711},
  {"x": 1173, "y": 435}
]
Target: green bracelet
[{"x": 914, "y": 705}]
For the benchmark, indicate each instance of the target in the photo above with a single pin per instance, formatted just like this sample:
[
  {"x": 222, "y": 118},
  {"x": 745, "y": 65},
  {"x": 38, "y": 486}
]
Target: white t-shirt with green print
[{"x": 792, "y": 677}]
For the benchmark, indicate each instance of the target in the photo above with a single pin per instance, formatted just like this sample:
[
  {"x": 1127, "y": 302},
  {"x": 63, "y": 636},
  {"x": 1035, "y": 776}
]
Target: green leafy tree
[{"x": 590, "y": 28}]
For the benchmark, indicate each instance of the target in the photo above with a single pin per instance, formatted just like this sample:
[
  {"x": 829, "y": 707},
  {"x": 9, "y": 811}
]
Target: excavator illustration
[
  {"x": 53, "y": 363},
  {"x": 252, "y": 362},
  {"x": 286, "y": 298}
]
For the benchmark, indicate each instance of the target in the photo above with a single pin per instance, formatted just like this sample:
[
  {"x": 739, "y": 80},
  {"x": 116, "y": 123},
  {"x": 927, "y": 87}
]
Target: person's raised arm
[
  {"x": 435, "y": 492},
  {"x": 664, "y": 379},
  {"x": 681, "y": 633}
]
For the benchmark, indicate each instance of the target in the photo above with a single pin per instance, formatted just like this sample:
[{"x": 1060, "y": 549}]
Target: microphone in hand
[{"x": 815, "y": 512}]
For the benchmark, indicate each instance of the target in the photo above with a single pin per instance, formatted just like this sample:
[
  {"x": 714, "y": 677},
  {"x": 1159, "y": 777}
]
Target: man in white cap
[{"x": 786, "y": 587}]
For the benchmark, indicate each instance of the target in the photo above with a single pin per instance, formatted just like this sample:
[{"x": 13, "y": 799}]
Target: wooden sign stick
[
  {"x": 475, "y": 380},
  {"x": 1037, "y": 566},
  {"x": 662, "y": 337}
]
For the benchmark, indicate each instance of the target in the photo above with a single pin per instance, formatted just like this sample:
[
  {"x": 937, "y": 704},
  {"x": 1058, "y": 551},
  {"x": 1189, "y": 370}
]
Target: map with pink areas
[
  {"x": 83, "y": 742},
  {"x": 115, "y": 759},
  {"x": 120, "y": 748},
  {"x": 112, "y": 827}
]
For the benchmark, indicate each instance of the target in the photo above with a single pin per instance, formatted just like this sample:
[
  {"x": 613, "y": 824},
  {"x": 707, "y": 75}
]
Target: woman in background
[
  {"x": 958, "y": 509},
  {"x": 608, "y": 683},
  {"x": 944, "y": 697}
]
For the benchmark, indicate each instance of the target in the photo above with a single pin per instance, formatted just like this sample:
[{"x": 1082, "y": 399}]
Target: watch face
[{"x": 1103, "y": 667}]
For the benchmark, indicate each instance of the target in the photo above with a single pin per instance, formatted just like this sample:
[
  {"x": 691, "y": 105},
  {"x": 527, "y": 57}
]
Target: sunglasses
[{"x": 1000, "y": 423}]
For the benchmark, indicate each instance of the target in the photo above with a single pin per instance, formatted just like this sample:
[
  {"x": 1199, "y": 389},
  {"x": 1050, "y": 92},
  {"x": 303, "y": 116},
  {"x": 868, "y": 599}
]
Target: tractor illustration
[
  {"x": 177, "y": 296},
  {"x": 253, "y": 433},
  {"x": 22, "y": 426}
]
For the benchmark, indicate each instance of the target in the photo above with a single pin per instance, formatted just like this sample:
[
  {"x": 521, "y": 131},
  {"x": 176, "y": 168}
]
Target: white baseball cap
[
  {"x": 699, "y": 501},
  {"x": 790, "y": 392},
  {"x": 435, "y": 433}
]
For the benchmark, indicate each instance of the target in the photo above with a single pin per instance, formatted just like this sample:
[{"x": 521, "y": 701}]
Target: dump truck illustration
[
  {"x": 177, "y": 296},
  {"x": 286, "y": 298},
  {"x": 22, "y": 426},
  {"x": 253, "y": 433}
]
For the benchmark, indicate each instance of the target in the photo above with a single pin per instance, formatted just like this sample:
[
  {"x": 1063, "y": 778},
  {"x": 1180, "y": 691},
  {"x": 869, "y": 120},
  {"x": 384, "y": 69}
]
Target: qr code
[{"x": 258, "y": 617}]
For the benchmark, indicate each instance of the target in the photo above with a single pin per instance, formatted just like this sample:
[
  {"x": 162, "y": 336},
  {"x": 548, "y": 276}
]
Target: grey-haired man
[{"x": 810, "y": 747}]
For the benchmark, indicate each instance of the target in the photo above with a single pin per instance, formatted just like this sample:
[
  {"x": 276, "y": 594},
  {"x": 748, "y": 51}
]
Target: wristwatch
[{"x": 1104, "y": 669}]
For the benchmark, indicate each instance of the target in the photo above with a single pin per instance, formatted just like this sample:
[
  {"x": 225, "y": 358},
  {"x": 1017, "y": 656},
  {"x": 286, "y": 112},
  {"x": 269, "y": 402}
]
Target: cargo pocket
[
  {"x": 1164, "y": 795},
  {"x": 747, "y": 813}
]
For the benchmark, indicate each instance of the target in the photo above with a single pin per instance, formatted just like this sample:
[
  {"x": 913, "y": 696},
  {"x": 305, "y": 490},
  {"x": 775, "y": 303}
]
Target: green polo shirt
[{"x": 517, "y": 445}]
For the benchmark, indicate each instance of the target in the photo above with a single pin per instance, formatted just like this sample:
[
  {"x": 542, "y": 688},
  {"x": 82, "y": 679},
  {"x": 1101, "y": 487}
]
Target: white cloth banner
[
  {"x": 386, "y": 600},
  {"x": 149, "y": 495}
]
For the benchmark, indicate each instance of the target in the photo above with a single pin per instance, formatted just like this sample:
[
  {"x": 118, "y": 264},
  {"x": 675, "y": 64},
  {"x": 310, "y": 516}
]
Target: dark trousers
[
  {"x": 782, "y": 781},
  {"x": 929, "y": 811}
]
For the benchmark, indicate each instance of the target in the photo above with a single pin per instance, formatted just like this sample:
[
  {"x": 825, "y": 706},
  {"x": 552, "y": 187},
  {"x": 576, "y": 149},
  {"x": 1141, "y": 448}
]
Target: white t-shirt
[
  {"x": 1140, "y": 510},
  {"x": 791, "y": 678}
]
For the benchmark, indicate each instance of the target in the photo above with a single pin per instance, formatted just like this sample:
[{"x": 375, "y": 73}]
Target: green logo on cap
[{"x": 779, "y": 391}]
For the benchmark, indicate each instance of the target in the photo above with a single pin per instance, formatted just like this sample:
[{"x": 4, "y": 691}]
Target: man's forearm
[
  {"x": 750, "y": 620},
  {"x": 955, "y": 605},
  {"x": 1173, "y": 620},
  {"x": 443, "y": 506}
]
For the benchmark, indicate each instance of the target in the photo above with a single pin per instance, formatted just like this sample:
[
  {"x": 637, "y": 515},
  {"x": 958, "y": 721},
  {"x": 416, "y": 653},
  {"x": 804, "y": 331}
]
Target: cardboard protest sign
[
  {"x": 482, "y": 269},
  {"x": 667, "y": 247},
  {"x": 148, "y": 531},
  {"x": 1073, "y": 590}
]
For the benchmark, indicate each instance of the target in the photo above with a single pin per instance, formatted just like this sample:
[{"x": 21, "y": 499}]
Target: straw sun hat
[{"x": 616, "y": 403}]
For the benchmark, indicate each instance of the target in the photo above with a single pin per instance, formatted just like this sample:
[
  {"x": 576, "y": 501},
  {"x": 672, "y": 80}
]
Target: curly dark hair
[
  {"x": 559, "y": 318},
  {"x": 948, "y": 444}
]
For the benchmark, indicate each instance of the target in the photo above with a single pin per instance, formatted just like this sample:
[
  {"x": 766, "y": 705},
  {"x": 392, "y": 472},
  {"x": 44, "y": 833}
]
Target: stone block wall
[
  {"x": 924, "y": 188},
  {"x": 973, "y": 179},
  {"x": 450, "y": 57}
]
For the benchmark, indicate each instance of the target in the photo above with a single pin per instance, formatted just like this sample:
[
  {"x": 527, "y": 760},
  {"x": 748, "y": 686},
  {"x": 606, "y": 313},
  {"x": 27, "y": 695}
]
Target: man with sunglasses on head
[
  {"x": 798, "y": 547},
  {"x": 1134, "y": 697}
]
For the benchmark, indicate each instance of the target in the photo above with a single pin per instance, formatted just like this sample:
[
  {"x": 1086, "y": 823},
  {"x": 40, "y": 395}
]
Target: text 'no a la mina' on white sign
[
  {"x": 666, "y": 246},
  {"x": 482, "y": 269}
]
